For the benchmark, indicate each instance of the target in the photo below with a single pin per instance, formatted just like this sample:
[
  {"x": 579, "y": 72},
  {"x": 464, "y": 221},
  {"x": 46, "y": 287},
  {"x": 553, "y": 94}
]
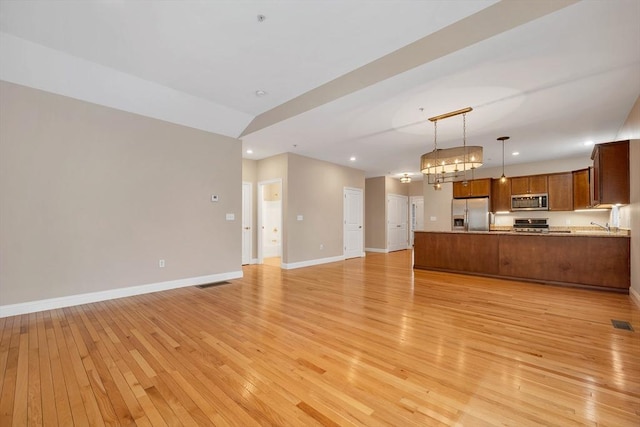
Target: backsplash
[{"x": 559, "y": 219}]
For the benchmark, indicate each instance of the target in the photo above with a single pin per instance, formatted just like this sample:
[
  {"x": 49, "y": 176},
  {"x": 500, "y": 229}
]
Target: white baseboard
[
  {"x": 292, "y": 265},
  {"x": 360, "y": 255},
  {"x": 71, "y": 300},
  {"x": 378, "y": 250},
  {"x": 635, "y": 296}
]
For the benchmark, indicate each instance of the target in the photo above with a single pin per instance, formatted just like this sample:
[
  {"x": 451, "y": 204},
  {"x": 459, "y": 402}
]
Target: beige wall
[
  {"x": 416, "y": 188},
  {"x": 631, "y": 130},
  {"x": 377, "y": 190},
  {"x": 375, "y": 236},
  {"x": 437, "y": 207},
  {"x": 91, "y": 198},
  {"x": 316, "y": 191},
  {"x": 394, "y": 186},
  {"x": 311, "y": 188}
]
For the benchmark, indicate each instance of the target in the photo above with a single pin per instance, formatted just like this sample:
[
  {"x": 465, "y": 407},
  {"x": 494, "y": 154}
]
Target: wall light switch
[
  {"x": 214, "y": 197},
  {"x": 300, "y": 217},
  {"x": 230, "y": 217},
  {"x": 433, "y": 218}
]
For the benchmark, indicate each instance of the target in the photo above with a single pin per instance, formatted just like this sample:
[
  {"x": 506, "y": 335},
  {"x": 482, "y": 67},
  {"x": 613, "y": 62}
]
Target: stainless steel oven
[{"x": 531, "y": 225}]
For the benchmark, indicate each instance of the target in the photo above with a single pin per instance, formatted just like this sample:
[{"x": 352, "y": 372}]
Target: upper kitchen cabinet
[
  {"x": 560, "y": 191},
  {"x": 474, "y": 188},
  {"x": 610, "y": 174},
  {"x": 534, "y": 184},
  {"x": 500, "y": 195},
  {"x": 581, "y": 197}
]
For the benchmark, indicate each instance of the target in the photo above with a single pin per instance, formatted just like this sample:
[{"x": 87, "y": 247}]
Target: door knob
[{"x": 359, "y": 226}]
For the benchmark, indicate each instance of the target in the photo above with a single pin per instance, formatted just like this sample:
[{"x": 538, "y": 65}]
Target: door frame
[{"x": 261, "y": 185}]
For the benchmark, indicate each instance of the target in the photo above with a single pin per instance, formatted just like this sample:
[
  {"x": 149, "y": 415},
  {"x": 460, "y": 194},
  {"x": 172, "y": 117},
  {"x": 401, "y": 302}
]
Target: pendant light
[
  {"x": 503, "y": 178},
  {"x": 450, "y": 164}
]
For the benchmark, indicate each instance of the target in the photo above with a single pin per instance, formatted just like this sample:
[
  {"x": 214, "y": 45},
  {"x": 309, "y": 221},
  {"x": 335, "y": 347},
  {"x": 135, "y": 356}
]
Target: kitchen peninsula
[{"x": 592, "y": 260}]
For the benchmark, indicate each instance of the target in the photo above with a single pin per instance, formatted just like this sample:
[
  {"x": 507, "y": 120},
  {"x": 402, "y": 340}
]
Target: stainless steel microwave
[{"x": 530, "y": 202}]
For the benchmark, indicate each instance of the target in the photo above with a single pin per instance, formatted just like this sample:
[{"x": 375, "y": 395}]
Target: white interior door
[
  {"x": 353, "y": 223},
  {"x": 247, "y": 219},
  {"x": 397, "y": 218},
  {"x": 417, "y": 216}
]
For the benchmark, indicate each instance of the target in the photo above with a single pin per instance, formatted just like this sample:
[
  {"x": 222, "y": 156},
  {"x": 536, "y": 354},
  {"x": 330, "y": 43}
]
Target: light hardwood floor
[{"x": 360, "y": 342}]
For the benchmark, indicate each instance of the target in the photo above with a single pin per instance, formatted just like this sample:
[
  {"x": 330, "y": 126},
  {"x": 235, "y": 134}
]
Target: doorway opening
[{"x": 270, "y": 217}]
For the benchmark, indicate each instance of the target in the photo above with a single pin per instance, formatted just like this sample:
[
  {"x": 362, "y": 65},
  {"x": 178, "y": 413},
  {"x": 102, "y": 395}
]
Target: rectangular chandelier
[{"x": 450, "y": 164}]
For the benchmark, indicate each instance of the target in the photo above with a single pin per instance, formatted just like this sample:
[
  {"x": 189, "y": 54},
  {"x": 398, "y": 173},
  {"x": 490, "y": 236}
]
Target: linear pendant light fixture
[{"x": 450, "y": 164}]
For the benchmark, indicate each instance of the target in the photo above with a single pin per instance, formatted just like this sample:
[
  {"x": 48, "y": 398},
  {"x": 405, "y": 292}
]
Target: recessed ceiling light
[
  {"x": 515, "y": 153},
  {"x": 352, "y": 158},
  {"x": 249, "y": 151},
  {"x": 260, "y": 92}
]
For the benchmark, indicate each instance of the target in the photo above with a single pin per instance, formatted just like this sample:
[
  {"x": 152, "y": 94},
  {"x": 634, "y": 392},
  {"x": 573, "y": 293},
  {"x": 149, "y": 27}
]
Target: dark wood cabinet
[
  {"x": 601, "y": 262},
  {"x": 500, "y": 195},
  {"x": 580, "y": 260},
  {"x": 534, "y": 184},
  {"x": 610, "y": 174},
  {"x": 560, "y": 186},
  {"x": 581, "y": 197},
  {"x": 468, "y": 252},
  {"x": 474, "y": 188}
]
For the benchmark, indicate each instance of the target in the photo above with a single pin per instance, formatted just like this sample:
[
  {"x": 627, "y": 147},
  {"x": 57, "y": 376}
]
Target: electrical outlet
[
  {"x": 321, "y": 246},
  {"x": 161, "y": 263}
]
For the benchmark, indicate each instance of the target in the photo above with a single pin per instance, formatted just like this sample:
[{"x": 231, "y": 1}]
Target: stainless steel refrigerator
[{"x": 470, "y": 214}]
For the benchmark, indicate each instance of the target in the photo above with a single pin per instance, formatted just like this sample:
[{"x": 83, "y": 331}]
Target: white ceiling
[{"x": 551, "y": 83}]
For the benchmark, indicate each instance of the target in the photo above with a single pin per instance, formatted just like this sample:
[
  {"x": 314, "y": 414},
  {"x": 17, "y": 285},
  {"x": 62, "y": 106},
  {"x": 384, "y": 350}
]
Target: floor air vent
[
  {"x": 621, "y": 324},
  {"x": 210, "y": 285}
]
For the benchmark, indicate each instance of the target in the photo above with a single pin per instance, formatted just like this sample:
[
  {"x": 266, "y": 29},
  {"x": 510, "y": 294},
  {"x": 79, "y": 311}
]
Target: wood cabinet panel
[
  {"x": 581, "y": 198},
  {"x": 474, "y": 188},
  {"x": 560, "y": 191},
  {"x": 466, "y": 252},
  {"x": 533, "y": 184},
  {"x": 581, "y": 260},
  {"x": 500, "y": 195},
  {"x": 538, "y": 184},
  {"x": 460, "y": 191},
  {"x": 610, "y": 174},
  {"x": 520, "y": 185}
]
